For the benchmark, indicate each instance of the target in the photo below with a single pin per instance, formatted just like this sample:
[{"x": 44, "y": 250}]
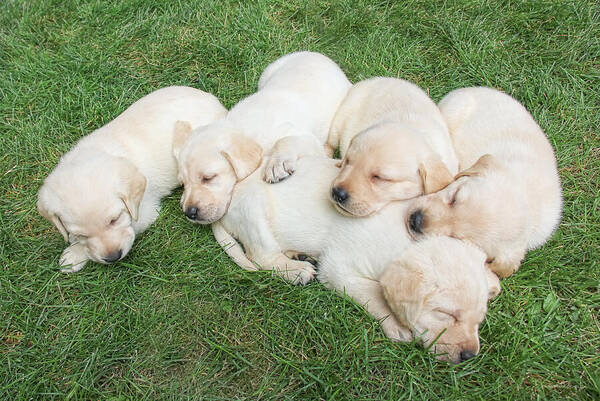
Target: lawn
[{"x": 177, "y": 319}]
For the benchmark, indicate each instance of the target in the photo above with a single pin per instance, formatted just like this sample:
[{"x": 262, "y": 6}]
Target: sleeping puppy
[
  {"x": 297, "y": 96},
  {"x": 507, "y": 198},
  {"x": 395, "y": 145},
  {"x": 108, "y": 187},
  {"x": 277, "y": 222},
  {"x": 439, "y": 288}
]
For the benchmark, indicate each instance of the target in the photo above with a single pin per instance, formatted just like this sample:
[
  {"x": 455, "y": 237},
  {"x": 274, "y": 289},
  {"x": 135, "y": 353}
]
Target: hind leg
[
  {"x": 261, "y": 246},
  {"x": 303, "y": 257},
  {"x": 505, "y": 264},
  {"x": 294, "y": 271}
]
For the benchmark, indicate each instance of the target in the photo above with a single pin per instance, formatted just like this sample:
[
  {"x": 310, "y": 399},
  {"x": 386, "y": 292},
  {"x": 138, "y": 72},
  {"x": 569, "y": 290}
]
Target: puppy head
[
  {"x": 477, "y": 206},
  {"x": 93, "y": 199},
  {"x": 211, "y": 160},
  {"x": 385, "y": 163},
  {"x": 439, "y": 289}
]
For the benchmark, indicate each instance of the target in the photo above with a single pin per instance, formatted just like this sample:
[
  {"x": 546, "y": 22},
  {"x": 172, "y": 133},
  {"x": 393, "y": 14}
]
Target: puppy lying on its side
[
  {"x": 295, "y": 217},
  {"x": 108, "y": 187},
  {"x": 394, "y": 143},
  {"x": 297, "y": 96},
  {"x": 507, "y": 198}
]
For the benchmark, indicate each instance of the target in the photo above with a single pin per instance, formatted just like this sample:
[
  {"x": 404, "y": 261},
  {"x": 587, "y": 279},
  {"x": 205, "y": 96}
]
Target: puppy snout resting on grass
[
  {"x": 108, "y": 187},
  {"x": 297, "y": 97},
  {"x": 394, "y": 143},
  {"x": 296, "y": 217},
  {"x": 439, "y": 288},
  {"x": 507, "y": 197}
]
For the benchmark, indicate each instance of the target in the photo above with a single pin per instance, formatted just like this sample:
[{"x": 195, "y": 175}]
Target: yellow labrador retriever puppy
[
  {"x": 439, "y": 289},
  {"x": 108, "y": 187},
  {"x": 507, "y": 198},
  {"x": 297, "y": 96},
  {"x": 295, "y": 217},
  {"x": 395, "y": 145}
]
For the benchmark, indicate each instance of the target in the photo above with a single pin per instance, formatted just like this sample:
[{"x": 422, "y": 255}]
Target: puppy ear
[
  {"x": 43, "y": 208},
  {"x": 181, "y": 133},
  {"x": 244, "y": 155},
  {"x": 133, "y": 191},
  {"x": 435, "y": 175},
  {"x": 403, "y": 290},
  {"x": 480, "y": 166},
  {"x": 494, "y": 287}
]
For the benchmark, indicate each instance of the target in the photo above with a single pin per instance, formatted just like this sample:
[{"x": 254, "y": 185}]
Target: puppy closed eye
[
  {"x": 454, "y": 197},
  {"x": 114, "y": 220},
  {"x": 379, "y": 178},
  {"x": 208, "y": 178},
  {"x": 445, "y": 315}
]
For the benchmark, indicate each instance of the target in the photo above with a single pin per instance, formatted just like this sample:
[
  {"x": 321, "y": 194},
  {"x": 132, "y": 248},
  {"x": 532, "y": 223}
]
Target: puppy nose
[
  {"x": 340, "y": 195},
  {"x": 191, "y": 213},
  {"x": 113, "y": 256},
  {"x": 415, "y": 221},
  {"x": 465, "y": 355}
]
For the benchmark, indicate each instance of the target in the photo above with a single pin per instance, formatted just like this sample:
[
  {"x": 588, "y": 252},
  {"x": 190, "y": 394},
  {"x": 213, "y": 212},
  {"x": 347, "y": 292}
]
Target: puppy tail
[{"x": 231, "y": 247}]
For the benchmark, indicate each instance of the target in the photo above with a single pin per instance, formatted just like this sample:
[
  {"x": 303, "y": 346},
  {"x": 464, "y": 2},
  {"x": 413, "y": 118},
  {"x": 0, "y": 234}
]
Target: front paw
[
  {"x": 395, "y": 331},
  {"x": 73, "y": 259},
  {"x": 279, "y": 167}
]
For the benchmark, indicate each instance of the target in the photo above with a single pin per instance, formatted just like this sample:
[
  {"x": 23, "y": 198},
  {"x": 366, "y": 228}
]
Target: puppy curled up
[
  {"x": 108, "y": 187},
  {"x": 507, "y": 197}
]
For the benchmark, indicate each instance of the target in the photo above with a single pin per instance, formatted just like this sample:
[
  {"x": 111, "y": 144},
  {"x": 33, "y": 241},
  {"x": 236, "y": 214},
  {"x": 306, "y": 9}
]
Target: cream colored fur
[
  {"x": 295, "y": 217},
  {"x": 439, "y": 288},
  {"x": 108, "y": 187},
  {"x": 395, "y": 145},
  {"x": 297, "y": 96},
  {"x": 507, "y": 197}
]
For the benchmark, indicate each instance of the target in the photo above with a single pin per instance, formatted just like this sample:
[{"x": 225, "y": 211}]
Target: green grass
[{"x": 176, "y": 319}]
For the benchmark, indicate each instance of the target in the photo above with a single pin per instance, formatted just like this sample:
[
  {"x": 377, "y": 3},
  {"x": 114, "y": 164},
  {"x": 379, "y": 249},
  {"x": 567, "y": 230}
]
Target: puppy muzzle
[{"x": 203, "y": 215}]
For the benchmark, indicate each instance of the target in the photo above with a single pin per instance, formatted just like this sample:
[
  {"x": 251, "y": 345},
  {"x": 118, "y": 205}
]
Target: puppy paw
[
  {"x": 73, "y": 259},
  {"x": 394, "y": 330},
  {"x": 503, "y": 269},
  {"x": 301, "y": 257},
  {"x": 297, "y": 272},
  {"x": 279, "y": 167}
]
